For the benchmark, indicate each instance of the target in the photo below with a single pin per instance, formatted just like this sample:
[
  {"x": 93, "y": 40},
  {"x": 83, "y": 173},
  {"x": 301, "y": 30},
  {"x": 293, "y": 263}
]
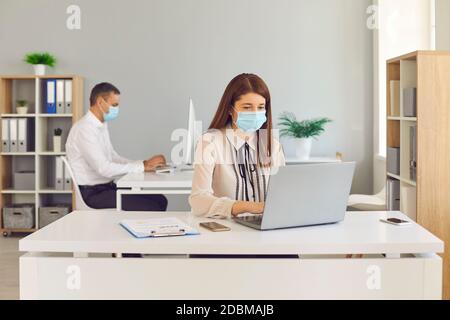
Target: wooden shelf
[
  {"x": 12, "y": 191},
  {"x": 55, "y": 115},
  {"x": 401, "y": 118},
  {"x": 413, "y": 55},
  {"x": 51, "y": 153},
  {"x": 18, "y": 153},
  {"x": 53, "y": 191},
  {"x": 42, "y": 160},
  {"x": 16, "y": 115},
  {"x": 33, "y": 77},
  {"x": 18, "y": 77},
  {"x": 18, "y": 230},
  {"x": 407, "y": 181},
  {"x": 425, "y": 200}
]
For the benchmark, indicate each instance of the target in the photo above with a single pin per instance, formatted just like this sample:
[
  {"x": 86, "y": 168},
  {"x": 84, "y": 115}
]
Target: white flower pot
[
  {"x": 22, "y": 110},
  {"x": 303, "y": 148},
  {"x": 39, "y": 69},
  {"x": 56, "y": 143}
]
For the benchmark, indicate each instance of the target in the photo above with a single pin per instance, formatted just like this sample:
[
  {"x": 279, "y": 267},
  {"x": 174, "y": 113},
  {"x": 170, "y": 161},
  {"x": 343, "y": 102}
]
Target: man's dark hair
[{"x": 102, "y": 89}]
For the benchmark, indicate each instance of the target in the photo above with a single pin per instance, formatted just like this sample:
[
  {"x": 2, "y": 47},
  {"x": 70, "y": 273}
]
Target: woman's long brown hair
[{"x": 240, "y": 85}]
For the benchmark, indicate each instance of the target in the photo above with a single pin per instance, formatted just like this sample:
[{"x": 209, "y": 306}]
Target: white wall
[
  {"x": 443, "y": 25},
  {"x": 316, "y": 56},
  {"x": 404, "y": 26}
]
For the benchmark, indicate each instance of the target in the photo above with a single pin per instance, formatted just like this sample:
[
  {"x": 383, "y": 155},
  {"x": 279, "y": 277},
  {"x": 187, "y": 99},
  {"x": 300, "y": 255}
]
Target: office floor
[{"x": 9, "y": 267}]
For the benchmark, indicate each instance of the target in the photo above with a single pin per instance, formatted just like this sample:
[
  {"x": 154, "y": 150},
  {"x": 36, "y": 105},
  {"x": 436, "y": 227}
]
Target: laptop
[{"x": 304, "y": 195}]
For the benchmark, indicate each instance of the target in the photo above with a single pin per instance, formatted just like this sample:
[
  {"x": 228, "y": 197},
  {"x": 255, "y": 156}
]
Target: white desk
[
  {"x": 71, "y": 259},
  {"x": 178, "y": 182}
]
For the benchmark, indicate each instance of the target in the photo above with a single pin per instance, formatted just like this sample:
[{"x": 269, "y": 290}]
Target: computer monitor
[{"x": 192, "y": 135}]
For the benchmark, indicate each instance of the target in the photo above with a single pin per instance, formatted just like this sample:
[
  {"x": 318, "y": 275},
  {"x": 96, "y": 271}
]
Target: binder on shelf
[
  {"x": 67, "y": 179},
  {"x": 50, "y": 97},
  {"x": 5, "y": 136},
  {"x": 413, "y": 153},
  {"x": 59, "y": 174},
  {"x": 395, "y": 98},
  {"x": 410, "y": 102},
  {"x": 22, "y": 134},
  {"x": 393, "y": 160},
  {"x": 68, "y": 96},
  {"x": 13, "y": 147},
  {"x": 393, "y": 194},
  {"x": 60, "y": 96}
]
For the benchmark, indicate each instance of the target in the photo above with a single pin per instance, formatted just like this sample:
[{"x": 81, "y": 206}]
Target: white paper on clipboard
[{"x": 157, "y": 227}]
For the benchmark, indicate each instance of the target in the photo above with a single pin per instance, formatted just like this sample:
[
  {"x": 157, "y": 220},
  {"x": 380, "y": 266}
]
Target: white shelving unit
[{"x": 42, "y": 158}]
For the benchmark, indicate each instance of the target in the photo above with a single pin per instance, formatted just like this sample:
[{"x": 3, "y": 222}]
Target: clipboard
[{"x": 157, "y": 228}]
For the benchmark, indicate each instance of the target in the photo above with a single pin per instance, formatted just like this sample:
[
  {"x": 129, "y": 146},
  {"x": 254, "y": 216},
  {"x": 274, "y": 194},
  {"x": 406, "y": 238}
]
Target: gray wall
[
  {"x": 315, "y": 55},
  {"x": 443, "y": 24}
]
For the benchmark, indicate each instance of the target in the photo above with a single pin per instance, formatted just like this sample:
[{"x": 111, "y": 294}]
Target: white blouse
[{"x": 226, "y": 170}]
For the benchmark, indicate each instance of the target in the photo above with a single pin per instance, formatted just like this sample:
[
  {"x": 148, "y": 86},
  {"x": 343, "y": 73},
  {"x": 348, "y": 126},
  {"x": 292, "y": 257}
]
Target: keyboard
[{"x": 256, "y": 219}]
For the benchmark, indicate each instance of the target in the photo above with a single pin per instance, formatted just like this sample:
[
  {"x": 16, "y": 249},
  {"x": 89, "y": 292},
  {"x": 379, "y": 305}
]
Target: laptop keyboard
[{"x": 253, "y": 219}]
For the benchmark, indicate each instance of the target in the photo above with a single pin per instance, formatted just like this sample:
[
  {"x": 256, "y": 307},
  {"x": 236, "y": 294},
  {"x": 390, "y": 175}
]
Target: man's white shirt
[{"x": 92, "y": 156}]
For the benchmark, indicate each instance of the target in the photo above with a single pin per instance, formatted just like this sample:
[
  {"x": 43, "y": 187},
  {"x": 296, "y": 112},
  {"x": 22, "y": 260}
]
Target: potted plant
[
  {"x": 57, "y": 140},
  {"x": 22, "y": 106},
  {"x": 302, "y": 132},
  {"x": 40, "y": 60}
]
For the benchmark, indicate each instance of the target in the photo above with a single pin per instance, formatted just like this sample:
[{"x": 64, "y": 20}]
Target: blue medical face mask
[
  {"x": 250, "y": 122},
  {"x": 112, "y": 114}
]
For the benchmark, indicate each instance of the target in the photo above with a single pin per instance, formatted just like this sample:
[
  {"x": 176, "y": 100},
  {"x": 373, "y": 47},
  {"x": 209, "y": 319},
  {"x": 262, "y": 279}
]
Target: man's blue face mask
[
  {"x": 112, "y": 114},
  {"x": 250, "y": 122}
]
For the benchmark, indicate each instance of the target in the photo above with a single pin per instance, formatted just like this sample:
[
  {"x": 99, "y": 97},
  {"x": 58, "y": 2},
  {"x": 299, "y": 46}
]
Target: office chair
[
  {"x": 362, "y": 202},
  {"x": 79, "y": 202}
]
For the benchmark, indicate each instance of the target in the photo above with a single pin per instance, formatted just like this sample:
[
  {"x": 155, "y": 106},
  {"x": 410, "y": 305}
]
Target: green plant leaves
[
  {"x": 22, "y": 103},
  {"x": 291, "y": 127},
  {"x": 40, "y": 58}
]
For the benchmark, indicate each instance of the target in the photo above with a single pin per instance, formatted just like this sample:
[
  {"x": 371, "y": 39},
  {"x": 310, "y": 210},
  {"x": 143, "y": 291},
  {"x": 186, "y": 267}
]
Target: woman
[{"x": 235, "y": 157}]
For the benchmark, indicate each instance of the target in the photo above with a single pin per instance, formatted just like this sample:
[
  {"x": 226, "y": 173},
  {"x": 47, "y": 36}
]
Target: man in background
[{"x": 96, "y": 164}]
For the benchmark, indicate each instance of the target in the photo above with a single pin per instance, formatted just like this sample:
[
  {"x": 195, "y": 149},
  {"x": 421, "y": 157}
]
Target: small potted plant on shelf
[
  {"x": 22, "y": 106},
  {"x": 40, "y": 60},
  {"x": 301, "y": 132},
  {"x": 57, "y": 140}
]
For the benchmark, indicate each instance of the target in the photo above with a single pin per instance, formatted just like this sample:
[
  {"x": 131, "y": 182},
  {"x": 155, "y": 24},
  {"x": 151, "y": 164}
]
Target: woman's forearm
[{"x": 247, "y": 206}]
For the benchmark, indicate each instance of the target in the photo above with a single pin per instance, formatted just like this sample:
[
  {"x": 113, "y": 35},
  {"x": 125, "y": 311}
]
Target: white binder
[
  {"x": 68, "y": 96},
  {"x": 5, "y": 135},
  {"x": 13, "y": 147},
  {"x": 59, "y": 174},
  {"x": 67, "y": 179},
  {"x": 60, "y": 96},
  {"x": 22, "y": 134}
]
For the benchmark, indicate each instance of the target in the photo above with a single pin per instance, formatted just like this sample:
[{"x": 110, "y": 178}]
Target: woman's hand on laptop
[
  {"x": 154, "y": 162},
  {"x": 247, "y": 206}
]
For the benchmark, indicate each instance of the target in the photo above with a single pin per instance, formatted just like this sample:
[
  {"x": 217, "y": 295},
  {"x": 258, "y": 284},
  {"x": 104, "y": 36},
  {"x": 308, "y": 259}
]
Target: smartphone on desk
[
  {"x": 396, "y": 221},
  {"x": 214, "y": 226}
]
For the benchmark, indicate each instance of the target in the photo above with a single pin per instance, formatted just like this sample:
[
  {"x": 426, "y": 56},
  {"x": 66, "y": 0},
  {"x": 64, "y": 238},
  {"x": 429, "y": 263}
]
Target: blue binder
[{"x": 50, "y": 96}]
